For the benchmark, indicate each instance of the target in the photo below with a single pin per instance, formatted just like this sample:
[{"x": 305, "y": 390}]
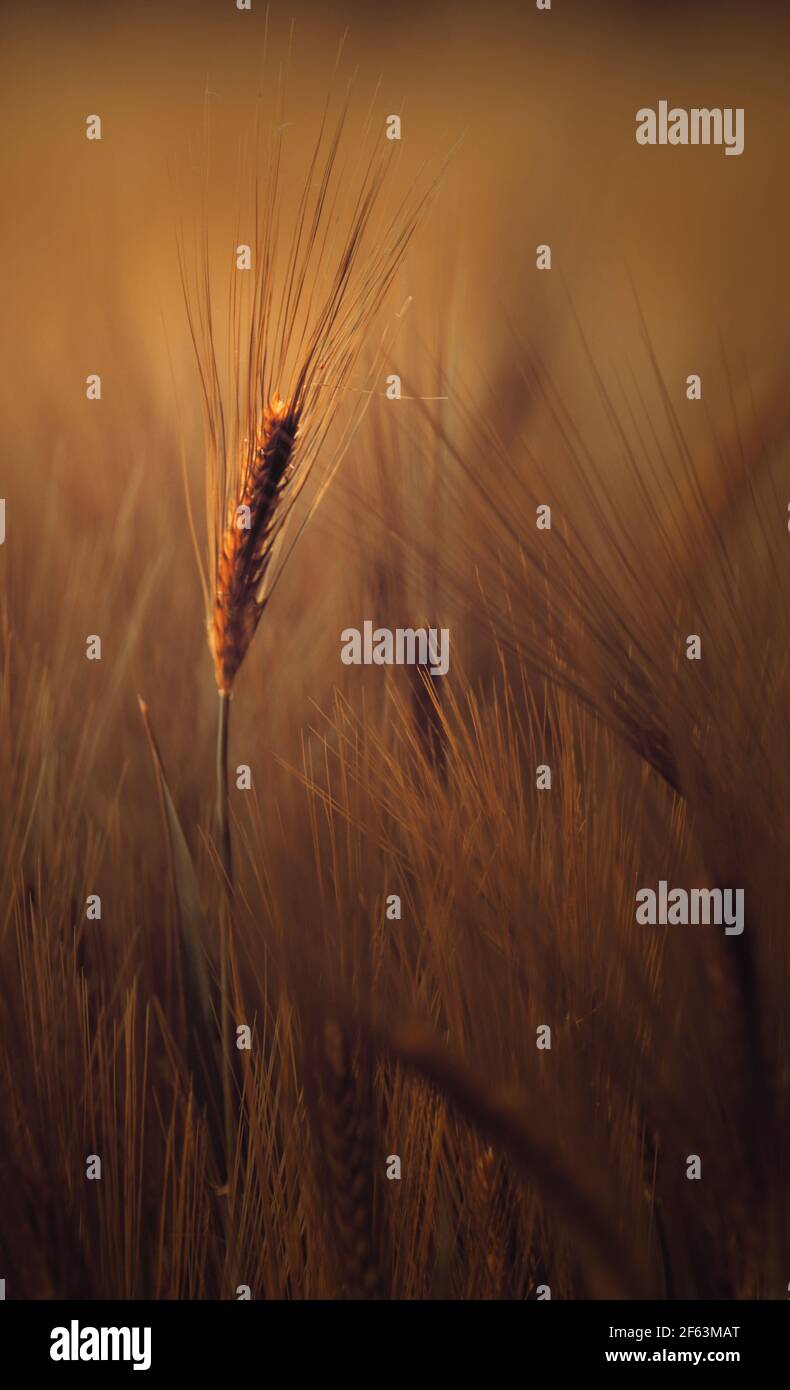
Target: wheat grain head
[{"x": 295, "y": 339}]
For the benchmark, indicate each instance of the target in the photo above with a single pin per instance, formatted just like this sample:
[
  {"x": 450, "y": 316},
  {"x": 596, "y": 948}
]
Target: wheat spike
[
  {"x": 349, "y": 1161},
  {"x": 246, "y": 549},
  {"x": 339, "y": 1102},
  {"x": 296, "y": 331}
]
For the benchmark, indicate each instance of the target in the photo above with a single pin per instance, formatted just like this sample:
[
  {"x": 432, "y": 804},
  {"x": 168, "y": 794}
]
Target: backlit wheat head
[{"x": 295, "y": 338}]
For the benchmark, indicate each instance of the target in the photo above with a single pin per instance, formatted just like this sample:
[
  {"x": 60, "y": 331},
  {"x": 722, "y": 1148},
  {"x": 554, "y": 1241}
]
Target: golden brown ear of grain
[
  {"x": 246, "y": 544},
  {"x": 297, "y": 328}
]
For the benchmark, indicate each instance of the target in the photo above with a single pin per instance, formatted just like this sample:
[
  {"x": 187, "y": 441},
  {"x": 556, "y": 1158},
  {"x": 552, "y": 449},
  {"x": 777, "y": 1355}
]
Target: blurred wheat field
[{"x": 521, "y": 1168}]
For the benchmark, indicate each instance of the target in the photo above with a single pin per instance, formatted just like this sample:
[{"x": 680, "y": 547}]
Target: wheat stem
[
  {"x": 223, "y": 822},
  {"x": 224, "y": 842}
]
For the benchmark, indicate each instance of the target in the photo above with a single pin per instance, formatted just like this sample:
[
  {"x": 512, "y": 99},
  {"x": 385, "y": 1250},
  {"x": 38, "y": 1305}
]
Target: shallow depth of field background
[
  {"x": 543, "y": 105},
  {"x": 515, "y": 915}
]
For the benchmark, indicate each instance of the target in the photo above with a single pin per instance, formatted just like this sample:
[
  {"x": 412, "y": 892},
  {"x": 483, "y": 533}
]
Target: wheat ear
[
  {"x": 247, "y": 543},
  {"x": 348, "y": 1157}
]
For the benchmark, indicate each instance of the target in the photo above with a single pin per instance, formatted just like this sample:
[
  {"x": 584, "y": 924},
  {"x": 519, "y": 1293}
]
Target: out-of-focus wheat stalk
[{"x": 349, "y": 1157}]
